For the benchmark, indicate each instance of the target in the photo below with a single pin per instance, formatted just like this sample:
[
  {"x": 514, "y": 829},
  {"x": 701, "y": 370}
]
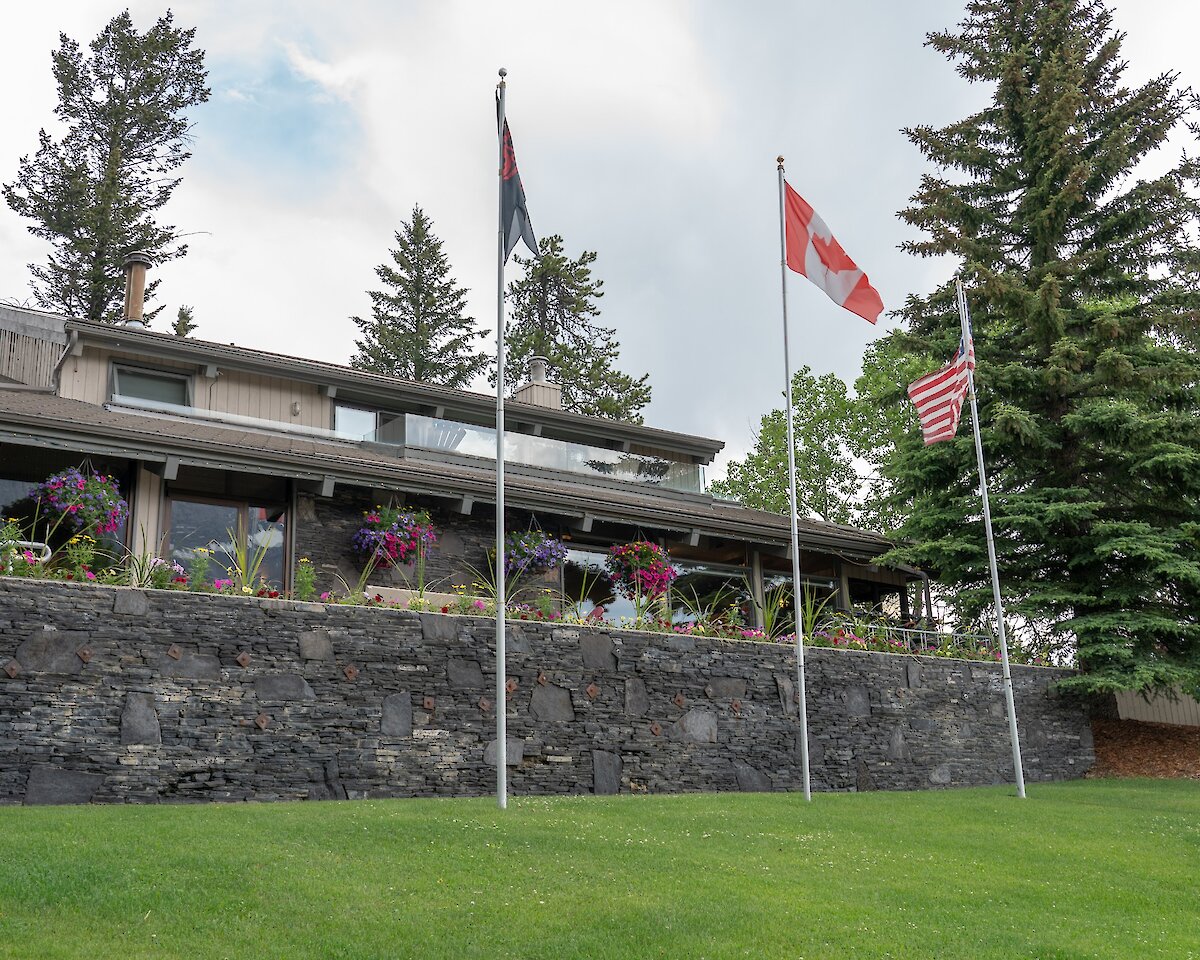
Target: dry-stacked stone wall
[{"x": 115, "y": 695}]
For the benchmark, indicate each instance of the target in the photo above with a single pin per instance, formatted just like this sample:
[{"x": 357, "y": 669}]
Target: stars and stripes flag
[
  {"x": 813, "y": 252},
  {"x": 939, "y": 396}
]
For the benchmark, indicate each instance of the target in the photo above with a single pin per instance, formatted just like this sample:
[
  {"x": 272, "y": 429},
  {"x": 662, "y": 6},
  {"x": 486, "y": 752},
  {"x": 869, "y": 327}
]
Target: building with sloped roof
[{"x": 208, "y": 438}]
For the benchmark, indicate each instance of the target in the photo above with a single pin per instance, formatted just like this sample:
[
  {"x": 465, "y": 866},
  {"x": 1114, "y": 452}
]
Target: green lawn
[{"x": 1084, "y": 869}]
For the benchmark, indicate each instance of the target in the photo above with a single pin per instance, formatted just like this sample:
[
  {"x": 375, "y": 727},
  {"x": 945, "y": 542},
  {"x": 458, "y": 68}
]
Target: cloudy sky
[{"x": 645, "y": 131}]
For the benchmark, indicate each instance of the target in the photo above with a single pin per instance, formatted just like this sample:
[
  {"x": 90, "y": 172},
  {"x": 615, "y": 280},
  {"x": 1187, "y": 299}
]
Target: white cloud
[
  {"x": 645, "y": 131},
  {"x": 338, "y": 80}
]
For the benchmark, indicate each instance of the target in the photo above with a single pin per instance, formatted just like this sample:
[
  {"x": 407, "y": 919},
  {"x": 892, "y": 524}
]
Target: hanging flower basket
[
  {"x": 533, "y": 552},
  {"x": 639, "y": 569},
  {"x": 81, "y": 501},
  {"x": 394, "y": 536}
]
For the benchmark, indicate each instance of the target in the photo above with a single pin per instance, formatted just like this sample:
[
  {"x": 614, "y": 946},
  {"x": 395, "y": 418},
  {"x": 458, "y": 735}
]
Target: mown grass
[{"x": 1084, "y": 869}]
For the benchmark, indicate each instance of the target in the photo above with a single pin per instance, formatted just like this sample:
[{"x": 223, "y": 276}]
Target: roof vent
[
  {"x": 537, "y": 390},
  {"x": 137, "y": 262}
]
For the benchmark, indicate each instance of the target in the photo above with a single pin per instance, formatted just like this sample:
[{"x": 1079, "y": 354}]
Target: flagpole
[
  {"x": 964, "y": 319},
  {"x": 501, "y": 693},
  {"x": 791, "y": 449}
]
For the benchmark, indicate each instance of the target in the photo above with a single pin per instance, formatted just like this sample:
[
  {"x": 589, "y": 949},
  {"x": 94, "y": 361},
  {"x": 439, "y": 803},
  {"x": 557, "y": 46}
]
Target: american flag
[{"x": 939, "y": 396}]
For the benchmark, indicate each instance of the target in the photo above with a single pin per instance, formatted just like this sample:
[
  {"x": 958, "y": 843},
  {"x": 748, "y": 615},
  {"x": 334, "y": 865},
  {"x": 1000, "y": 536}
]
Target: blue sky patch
[{"x": 268, "y": 116}]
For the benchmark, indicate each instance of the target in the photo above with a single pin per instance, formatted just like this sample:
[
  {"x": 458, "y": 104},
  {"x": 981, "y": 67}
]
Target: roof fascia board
[
  {"x": 409, "y": 478},
  {"x": 350, "y": 385}
]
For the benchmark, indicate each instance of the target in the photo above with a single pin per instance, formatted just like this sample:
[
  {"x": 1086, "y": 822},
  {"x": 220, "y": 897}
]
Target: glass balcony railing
[{"x": 449, "y": 436}]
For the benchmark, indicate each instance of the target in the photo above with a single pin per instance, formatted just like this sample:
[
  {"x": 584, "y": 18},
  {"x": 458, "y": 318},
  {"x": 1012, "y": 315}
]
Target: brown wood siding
[
  {"x": 87, "y": 378},
  {"x": 27, "y": 359},
  {"x": 1182, "y": 711},
  {"x": 267, "y": 398}
]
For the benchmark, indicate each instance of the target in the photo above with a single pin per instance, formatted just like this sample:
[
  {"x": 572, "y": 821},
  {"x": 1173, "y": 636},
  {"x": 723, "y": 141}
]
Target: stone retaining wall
[{"x": 111, "y": 695}]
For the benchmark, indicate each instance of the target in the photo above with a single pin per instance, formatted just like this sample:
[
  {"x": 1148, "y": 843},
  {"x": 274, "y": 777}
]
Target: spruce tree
[
  {"x": 418, "y": 329},
  {"x": 553, "y": 310},
  {"x": 94, "y": 193},
  {"x": 1082, "y": 285},
  {"x": 184, "y": 322}
]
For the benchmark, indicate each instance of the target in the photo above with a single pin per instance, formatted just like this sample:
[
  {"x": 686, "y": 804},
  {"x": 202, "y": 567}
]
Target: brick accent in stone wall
[{"x": 122, "y": 695}]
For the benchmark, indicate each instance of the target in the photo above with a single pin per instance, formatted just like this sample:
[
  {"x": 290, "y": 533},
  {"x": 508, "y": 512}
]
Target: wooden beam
[
  {"x": 327, "y": 486},
  {"x": 168, "y": 469},
  {"x": 693, "y": 538},
  {"x": 465, "y": 504},
  {"x": 584, "y": 524},
  {"x": 327, "y": 390}
]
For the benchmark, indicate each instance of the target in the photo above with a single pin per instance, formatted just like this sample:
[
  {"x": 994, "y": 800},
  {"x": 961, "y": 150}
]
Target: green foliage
[
  {"x": 1082, "y": 280},
  {"x": 94, "y": 193},
  {"x": 553, "y": 310},
  {"x": 184, "y": 322},
  {"x": 827, "y": 483},
  {"x": 418, "y": 329},
  {"x": 842, "y": 440},
  {"x": 304, "y": 579}
]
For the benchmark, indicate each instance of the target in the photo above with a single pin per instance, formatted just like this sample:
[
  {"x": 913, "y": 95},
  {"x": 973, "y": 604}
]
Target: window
[
  {"x": 354, "y": 423},
  {"x": 133, "y": 383},
  {"x": 253, "y": 533},
  {"x": 709, "y": 590}
]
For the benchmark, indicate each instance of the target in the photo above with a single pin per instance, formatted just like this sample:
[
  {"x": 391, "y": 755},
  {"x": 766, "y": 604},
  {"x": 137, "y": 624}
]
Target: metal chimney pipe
[
  {"x": 537, "y": 369},
  {"x": 136, "y": 263}
]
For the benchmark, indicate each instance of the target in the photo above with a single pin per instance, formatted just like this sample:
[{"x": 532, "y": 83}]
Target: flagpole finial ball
[
  {"x": 503, "y": 72},
  {"x": 779, "y": 160}
]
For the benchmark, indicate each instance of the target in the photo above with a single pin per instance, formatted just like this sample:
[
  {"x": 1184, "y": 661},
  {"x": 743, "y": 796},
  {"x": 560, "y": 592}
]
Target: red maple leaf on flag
[{"x": 831, "y": 254}]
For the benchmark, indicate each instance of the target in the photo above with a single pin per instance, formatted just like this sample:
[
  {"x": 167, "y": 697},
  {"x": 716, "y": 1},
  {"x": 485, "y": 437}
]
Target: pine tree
[
  {"x": 94, "y": 193},
  {"x": 418, "y": 329},
  {"x": 1082, "y": 280},
  {"x": 553, "y": 310},
  {"x": 184, "y": 322}
]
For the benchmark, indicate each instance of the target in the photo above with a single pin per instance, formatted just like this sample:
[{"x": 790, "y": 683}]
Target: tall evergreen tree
[
  {"x": 553, "y": 310},
  {"x": 418, "y": 329},
  {"x": 94, "y": 193},
  {"x": 1082, "y": 279}
]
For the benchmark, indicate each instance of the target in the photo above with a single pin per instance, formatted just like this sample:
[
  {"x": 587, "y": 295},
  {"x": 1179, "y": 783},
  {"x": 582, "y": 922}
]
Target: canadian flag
[{"x": 813, "y": 252}]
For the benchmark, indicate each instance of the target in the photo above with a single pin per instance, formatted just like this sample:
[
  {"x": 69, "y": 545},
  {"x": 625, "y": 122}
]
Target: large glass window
[
  {"x": 354, "y": 423},
  {"x": 25, "y": 467},
  {"x": 585, "y": 584},
  {"x": 709, "y": 591},
  {"x": 133, "y": 383},
  {"x": 252, "y": 536},
  {"x": 476, "y": 441}
]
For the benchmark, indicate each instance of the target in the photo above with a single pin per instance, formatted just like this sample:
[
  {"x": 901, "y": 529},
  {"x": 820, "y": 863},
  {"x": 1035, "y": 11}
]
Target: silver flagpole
[
  {"x": 1010, "y": 704},
  {"x": 501, "y": 679},
  {"x": 791, "y": 445}
]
